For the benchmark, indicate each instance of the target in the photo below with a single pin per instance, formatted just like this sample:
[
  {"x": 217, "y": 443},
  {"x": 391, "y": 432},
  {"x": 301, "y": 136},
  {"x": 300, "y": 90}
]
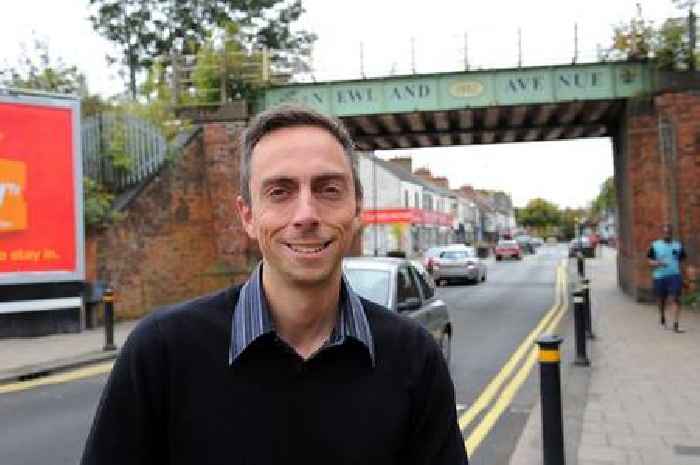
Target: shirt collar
[{"x": 252, "y": 319}]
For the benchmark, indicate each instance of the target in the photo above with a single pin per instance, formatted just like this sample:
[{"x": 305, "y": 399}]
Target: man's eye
[
  {"x": 331, "y": 190},
  {"x": 277, "y": 193}
]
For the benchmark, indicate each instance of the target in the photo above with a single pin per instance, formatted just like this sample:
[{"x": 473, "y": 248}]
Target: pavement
[
  {"x": 26, "y": 358},
  {"x": 639, "y": 401}
]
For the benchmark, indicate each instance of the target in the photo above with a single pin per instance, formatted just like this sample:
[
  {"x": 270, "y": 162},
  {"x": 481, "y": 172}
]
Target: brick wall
[
  {"x": 180, "y": 236},
  {"x": 659, "y": 178}
]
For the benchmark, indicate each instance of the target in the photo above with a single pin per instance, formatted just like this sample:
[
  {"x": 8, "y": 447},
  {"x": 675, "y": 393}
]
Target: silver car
[
  {"x": 396, "y": 284},
  {"x": 458, "y": 262}
]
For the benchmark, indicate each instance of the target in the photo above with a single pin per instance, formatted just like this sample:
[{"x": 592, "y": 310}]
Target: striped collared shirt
[{"x": 252, "y": 319}]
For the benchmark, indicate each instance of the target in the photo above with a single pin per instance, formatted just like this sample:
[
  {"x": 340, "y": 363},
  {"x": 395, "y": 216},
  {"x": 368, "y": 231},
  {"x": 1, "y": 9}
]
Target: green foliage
[
  {"x": 641, "y": 39},
  {"x": 538, "y": 213},
  {"x": 569, "y": 219},
  {"x": 606, "y": 200},
  {"x": 37, "y": 70},
  {"x": 147, "y": 29},
  {"x": 229, "y": 63},
  {"x": 97, "y": 204}
]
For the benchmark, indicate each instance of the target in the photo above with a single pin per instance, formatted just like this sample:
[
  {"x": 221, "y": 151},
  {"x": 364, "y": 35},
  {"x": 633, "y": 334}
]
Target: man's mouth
[{"x": 309, "y": 248}]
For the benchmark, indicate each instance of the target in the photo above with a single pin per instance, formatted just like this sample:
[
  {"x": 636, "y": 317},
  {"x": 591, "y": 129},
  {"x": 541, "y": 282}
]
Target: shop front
[{"x": 409, "y": 230}]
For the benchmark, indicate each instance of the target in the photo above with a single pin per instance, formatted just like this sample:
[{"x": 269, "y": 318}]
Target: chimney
[
  {"x": 424, "y": 173},
  {"x": 404, "y": 162},
  {"x": 467, "y": 190},
  {"x": 442, "y": 182}
]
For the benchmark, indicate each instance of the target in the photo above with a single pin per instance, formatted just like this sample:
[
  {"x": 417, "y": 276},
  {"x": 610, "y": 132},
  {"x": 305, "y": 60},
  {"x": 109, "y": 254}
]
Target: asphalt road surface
[
  {"x": 490, "y": 320},
  {"x": 49, "y": 424}
]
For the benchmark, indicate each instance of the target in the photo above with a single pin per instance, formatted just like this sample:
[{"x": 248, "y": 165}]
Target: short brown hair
[{"x": 287, "y": 116}]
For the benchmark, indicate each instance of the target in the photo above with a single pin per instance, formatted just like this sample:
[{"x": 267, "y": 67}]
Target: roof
[{"x": 407, "y": 176}]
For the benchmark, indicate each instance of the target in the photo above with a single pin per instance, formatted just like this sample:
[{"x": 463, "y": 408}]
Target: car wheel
[
  {"x": 446, "y": 346},
  {"x": 498, "y": 258}
]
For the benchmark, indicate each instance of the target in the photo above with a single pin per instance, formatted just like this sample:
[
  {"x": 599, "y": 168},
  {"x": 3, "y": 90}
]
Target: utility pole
[
  {"x": 520, "y": 48},
  {"x": 413, "y": 54},
  {"x": 466, "y": 52},
  {"x": 575, "y": 44},
  {"x": 362, "y": 60}
]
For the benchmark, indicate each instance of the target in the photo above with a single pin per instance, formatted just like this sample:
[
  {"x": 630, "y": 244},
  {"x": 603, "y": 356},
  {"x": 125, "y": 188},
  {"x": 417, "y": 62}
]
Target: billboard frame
[{"x": 72, "y": 103}]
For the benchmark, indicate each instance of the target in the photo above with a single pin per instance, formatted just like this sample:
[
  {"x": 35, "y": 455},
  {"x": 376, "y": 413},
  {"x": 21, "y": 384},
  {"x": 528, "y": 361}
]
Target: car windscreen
[
  {"x": 456, "y": 255},
  {"x": 507, "y": 244},
  {"x": 371, "y": 284}
]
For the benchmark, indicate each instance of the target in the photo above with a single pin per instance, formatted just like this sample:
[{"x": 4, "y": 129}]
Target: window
[
  {"x": 405, "y": 199},
  {"x": 425, "y": 284},
  {"x": 371, "y": 284},
  {"x": 406, "y": 286},
  {"x": 416, "y": 200}
]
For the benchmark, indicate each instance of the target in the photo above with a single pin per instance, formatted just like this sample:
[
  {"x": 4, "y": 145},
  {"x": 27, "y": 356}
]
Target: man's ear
[
  {"x": 357, "y": 220},
  {"x": 245, "y": 213}
]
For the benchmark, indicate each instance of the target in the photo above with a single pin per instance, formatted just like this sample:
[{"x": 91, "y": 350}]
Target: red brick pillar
[{"x": 657, "y": 168}]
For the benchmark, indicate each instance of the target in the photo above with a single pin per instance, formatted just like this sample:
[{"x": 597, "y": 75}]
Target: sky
[{"x": 379, "y": 37}]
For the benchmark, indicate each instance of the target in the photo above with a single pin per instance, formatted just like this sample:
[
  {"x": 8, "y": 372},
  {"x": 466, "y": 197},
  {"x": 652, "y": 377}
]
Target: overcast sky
[{"x": 400, "y": 36}]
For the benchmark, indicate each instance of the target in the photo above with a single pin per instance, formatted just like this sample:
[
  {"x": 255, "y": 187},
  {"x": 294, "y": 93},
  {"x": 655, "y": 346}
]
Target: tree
[
  {"x": 569, "y": 219},
  {"x": 147, "y": 29},
  {"x": 37, "y": 70},
  {"x": 538, "y": 213},
  {"x": 668, "y": 44},
  {"x": 606, "y": 200}
]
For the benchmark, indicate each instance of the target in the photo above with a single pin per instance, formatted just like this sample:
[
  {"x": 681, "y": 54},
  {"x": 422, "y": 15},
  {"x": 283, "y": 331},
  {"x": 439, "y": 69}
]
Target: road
[
  {"x": 490, "y": 321},
  {"x": 48, "y": 424}
]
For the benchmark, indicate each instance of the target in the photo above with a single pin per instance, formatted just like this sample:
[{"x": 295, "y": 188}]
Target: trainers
[{"x": 676, "y": 329}]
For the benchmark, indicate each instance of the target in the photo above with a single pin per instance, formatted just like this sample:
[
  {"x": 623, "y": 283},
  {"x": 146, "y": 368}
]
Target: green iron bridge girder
[
  {"x": 470, "y": 89},
  {"x": 477, "y": 107}
]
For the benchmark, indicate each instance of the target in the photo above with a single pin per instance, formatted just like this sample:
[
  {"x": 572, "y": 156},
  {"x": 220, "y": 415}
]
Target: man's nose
[{"x": 306, "y": 211}]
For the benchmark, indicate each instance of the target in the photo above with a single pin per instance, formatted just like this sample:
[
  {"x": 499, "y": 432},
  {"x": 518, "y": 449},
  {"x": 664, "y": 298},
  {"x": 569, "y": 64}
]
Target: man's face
[
  {"x": 303, "y": 210},
  {"x": 667, "y": 231}
]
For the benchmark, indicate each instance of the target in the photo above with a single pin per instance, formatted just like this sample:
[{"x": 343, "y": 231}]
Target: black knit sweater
[{"x": 173, "y": 398}]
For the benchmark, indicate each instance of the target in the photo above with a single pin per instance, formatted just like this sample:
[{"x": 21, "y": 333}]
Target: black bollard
[
  {"x": 108, "y": 300},
  {"x": 580, "y": 264},
  {"x": 580, "y": 329},
  {"x": 586, "y": 287},
  {"x": 550, "y": 395}
]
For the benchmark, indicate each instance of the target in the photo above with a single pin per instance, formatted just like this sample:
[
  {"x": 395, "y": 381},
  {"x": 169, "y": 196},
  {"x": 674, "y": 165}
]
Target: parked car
[
  {"x": 581, "y": 244},
  {"x": 537, "y": 241},
  {"x": 456, "y": 262},
  {"x": 524, "y": 241},
  {"x": 398, "y": 285},
  {"x": 508, "y": 249}
]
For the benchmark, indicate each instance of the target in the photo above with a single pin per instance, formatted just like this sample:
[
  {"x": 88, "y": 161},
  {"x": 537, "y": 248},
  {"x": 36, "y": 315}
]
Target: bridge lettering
[
  {"x": 581, "y": 80},
  {"x": 354, "y": 95},
  {"x": 524, "y": 85},
  {"x": 318, "y": 98},
  {"x": 410, "y": 91}
]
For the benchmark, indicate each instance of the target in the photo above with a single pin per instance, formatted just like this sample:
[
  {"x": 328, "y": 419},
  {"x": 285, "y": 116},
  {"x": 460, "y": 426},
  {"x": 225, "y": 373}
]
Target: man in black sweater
[{"x": 292, "y": 367}]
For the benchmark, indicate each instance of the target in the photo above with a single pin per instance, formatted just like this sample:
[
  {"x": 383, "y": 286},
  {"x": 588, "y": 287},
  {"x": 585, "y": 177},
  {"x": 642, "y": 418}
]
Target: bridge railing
[{"x": 120, "y": 150}]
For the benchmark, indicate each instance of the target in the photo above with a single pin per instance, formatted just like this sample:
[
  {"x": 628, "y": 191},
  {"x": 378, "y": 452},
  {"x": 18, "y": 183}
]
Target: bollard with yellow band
[
  {"x": 550, "y": 395},
  {"x": 108, "y": 300}
]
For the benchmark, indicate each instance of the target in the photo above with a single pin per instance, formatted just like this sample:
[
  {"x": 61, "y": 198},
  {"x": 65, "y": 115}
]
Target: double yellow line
[{"x": 547, "y": 324}]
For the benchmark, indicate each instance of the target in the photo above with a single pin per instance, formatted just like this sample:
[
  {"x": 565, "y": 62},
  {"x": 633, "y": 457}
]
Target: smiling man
[{"x": 292, "y": 366}]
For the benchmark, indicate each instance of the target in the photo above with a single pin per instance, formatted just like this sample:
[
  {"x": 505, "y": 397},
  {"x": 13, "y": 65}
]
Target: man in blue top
[{"x": 665, "y": 256}]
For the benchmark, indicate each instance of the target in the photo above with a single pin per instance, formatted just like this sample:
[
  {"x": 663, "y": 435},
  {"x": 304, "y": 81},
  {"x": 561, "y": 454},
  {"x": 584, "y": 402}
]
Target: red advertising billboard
[{"x": 41, "y": 237}]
